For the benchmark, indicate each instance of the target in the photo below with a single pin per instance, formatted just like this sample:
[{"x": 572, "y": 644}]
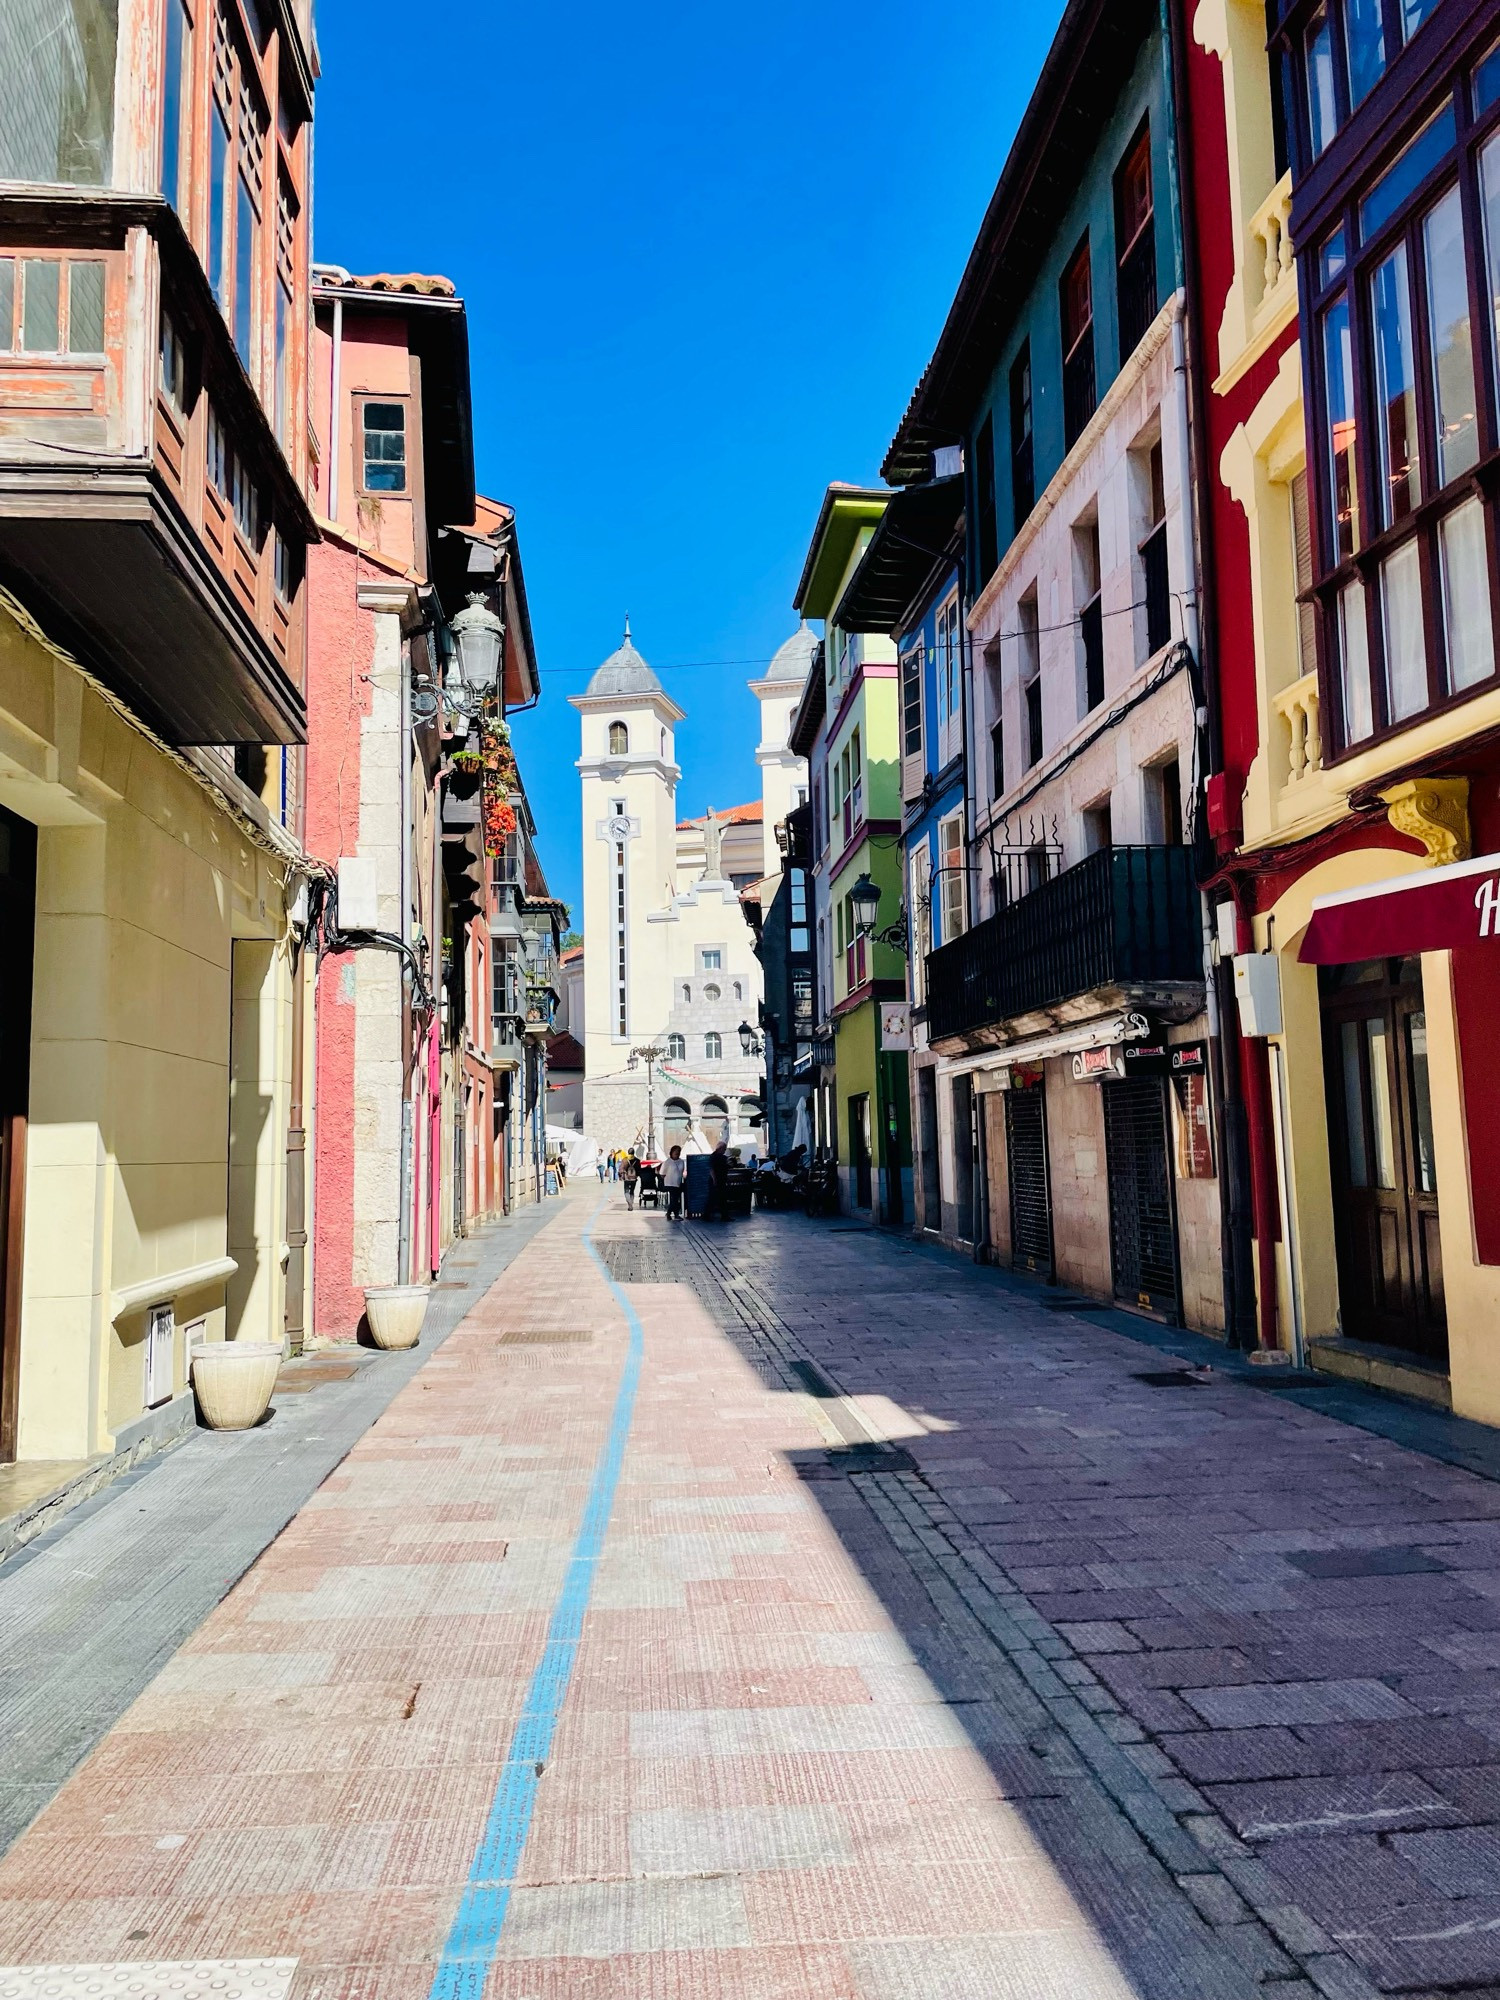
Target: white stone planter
[
  {"x": 234, "y": 1380},
  {"x": 395, "y": 1314}
]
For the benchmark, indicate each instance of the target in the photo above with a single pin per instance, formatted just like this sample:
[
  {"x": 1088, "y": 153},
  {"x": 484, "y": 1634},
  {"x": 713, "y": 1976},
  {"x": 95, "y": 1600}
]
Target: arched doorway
[
  {"x": 714, "y": 1120},
  {"x": 752, "y": 1115},
  {"x": 676, "y": 1123}
]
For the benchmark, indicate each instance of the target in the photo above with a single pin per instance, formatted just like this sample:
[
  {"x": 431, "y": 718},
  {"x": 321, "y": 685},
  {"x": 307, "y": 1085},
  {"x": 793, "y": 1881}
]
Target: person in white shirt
[{"x": 673, "y": 1174}]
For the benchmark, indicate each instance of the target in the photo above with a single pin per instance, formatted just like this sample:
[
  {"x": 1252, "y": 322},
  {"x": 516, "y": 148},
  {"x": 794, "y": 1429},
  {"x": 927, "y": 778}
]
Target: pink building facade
[{"x": 403, "y": 1143}]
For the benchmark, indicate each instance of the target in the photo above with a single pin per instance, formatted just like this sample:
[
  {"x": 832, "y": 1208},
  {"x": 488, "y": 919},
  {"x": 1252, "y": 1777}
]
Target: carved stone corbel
[{"x": 1434, "y": 811}]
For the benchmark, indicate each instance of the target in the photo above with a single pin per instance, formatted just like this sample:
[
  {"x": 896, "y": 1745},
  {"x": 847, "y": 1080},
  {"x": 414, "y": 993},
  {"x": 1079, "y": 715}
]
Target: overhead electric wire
[{"x": 1063, "y": 625}]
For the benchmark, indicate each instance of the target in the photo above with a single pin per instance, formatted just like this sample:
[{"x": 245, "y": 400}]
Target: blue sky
[{"x": 706, "y": 252}]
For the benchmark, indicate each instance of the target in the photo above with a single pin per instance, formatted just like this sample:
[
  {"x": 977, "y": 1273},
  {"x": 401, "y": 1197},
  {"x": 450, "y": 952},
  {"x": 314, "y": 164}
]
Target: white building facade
[{"x": 669, "y": 964}]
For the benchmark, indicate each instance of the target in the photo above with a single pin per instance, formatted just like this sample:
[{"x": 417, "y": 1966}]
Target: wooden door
[
  {"x": 17, "y": 933},
  {"x": 1384, "y": 1174}
]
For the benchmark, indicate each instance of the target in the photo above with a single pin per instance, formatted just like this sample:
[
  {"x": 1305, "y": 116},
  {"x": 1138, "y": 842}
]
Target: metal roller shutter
[
  {"x": 1142, "y": 1217},
  {"x": 1030, "y": 1191}
]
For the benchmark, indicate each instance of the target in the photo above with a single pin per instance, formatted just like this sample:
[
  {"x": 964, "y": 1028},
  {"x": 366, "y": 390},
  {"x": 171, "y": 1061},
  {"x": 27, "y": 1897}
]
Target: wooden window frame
[
  {"x": 1333, "y": 572},
  {"x": 362, "y": 399},
  {"x": 1140, "y": 248},
  {"x": 1289, "y": 47},
  {"x": 1021, "y": 392},
  {"x": 1083, "y": 342}
]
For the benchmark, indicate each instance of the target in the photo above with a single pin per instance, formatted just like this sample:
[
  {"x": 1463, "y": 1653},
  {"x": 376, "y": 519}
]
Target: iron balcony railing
[{"x": 1125, "y": 915}]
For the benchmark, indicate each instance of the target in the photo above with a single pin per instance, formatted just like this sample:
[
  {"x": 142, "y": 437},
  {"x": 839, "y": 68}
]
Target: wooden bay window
[{"x": 1401, "y": 277}]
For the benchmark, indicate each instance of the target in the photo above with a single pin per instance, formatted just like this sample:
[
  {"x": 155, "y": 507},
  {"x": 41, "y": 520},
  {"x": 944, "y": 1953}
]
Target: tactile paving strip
[{"x": 141, "y": 1979}]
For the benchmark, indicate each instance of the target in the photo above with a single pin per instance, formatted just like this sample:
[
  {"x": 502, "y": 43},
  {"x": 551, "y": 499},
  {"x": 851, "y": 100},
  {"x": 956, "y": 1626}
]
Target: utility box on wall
[
  {"x": 359, "y": 894},
  {"x": 1257, "y": 986}
]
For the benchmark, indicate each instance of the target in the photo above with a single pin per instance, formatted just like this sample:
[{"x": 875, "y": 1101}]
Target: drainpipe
[
  {"x": 296, "y": 1179},
  {"x": 404, "y": 926},
  {"x": 1235, "y": 1178},
  {"x": 335, "y": 393}
]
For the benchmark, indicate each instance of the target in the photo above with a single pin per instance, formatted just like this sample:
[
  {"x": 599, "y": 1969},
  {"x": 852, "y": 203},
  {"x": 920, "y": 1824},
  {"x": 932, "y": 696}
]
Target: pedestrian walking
[
  {"x": 614, "y": 1165},
  {"x": 630, "y": 1174},
  {"x": 603, "y": 1165},
  {"x": 673, "y": 1174},
  {"x": 715, "y": 1206}
]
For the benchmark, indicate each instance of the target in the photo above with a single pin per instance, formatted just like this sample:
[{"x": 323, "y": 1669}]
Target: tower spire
[{"x": 627, "y": 628}]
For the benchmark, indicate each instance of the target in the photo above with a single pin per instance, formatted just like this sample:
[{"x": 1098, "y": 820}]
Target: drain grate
[
  {"x": 1172, "y": 1378},
  {"x": 545, "y": 1336}
]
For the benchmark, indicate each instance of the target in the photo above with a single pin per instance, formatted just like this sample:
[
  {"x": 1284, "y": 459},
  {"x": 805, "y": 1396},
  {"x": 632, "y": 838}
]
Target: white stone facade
[
  {"x": 669, "y": 962},
  {"x": 1100, "y": 777}
]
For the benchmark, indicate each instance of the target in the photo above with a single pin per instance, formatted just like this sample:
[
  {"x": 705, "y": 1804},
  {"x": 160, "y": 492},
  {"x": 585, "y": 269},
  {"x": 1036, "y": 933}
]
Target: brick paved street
[{"x": 930, "y": 1653}]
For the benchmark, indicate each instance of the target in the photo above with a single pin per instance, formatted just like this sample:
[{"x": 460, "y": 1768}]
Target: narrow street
[{"x": 689, "y": 1625}]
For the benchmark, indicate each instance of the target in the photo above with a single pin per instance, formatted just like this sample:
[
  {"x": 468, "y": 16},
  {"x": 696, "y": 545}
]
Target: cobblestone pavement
[{"x": 782, "y": 1612}]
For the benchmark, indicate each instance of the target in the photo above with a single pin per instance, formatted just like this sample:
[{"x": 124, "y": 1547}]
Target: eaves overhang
[
  {"x": 438, "y": 335},
  {"x": 1092, "y": 53},
  {"x": 843, "y": 517},
  {"x": 810, "y": 712},
  {"x": 915, "y": 542}
]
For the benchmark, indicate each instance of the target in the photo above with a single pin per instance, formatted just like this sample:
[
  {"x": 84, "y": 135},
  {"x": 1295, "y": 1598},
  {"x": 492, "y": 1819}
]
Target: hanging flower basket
[{"x": 499, "y": 823}]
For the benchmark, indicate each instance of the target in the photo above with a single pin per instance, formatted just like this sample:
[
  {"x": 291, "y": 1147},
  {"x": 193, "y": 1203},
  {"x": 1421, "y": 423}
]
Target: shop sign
[
  {"x": 1094, "y": 1065},
  {"x": 895, "y": 1027},
  {"x": 1147, "y": 1059},
  {"x": 1433, "y": 909},
  {"x": 1190, "y": 1058}
]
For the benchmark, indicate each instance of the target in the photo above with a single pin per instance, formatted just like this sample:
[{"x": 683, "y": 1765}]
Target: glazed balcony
[
  {"x": 1122, "y": 927},
  {"x": 149, "y": 518}
]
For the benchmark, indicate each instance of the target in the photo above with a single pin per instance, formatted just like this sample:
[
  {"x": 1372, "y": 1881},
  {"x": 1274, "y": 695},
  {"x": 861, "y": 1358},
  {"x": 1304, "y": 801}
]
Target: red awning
[{"x": 1437, "y": 909}]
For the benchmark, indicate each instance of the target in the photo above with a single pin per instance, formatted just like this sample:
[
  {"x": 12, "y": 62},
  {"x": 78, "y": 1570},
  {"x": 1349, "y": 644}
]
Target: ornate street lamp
[
  {"x": 478, "y": 636},
  {"x": 750, "y": 1043},
  {"x": 864, "y": 901},
  {"x": 650, "y": 1054}
]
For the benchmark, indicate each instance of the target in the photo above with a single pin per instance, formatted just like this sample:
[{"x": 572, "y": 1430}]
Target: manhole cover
[{"x": 545, "y": 1336}]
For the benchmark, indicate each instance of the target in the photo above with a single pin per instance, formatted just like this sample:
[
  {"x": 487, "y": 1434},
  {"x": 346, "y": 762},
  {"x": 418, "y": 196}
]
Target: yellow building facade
[
  {"x": 153, "y": 1141},
  {"x": 1355, "y": 1105}
]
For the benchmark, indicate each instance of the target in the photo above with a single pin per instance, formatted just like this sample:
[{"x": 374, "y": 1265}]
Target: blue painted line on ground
[{"x": 474, "y": 1937}]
